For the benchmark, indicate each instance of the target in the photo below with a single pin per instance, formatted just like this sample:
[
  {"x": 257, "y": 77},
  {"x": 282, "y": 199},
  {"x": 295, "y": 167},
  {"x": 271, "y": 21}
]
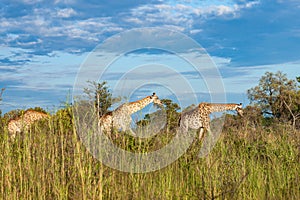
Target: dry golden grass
[{"x": 49, "y": 162}]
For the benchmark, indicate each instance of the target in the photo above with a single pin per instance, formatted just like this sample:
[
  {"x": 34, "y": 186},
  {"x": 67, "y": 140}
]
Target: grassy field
[{"x": 49, "y": 162}]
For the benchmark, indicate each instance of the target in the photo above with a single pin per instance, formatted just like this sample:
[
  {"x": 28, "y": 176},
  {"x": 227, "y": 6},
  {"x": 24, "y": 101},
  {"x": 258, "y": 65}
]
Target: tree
[
  {"x": 172, "y": 114},
  {"x": 292, "y": 104},
  {"x": 100, "y": 94},
  {"x": 277, "y": 96},
  {"x": 270, "y": 93},
  {"x": 144, "y": 122}
]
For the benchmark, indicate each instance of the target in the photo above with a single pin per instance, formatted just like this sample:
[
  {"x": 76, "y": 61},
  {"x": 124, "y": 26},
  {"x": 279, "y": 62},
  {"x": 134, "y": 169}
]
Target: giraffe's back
[
  {"x": 22, "y": 123},
  {"x": 31, "y": 116},
  {"x": 196, "y": 118}
]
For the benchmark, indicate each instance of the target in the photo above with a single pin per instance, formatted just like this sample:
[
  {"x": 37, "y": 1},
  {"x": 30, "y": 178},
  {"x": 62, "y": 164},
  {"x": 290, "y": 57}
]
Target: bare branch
[{"x": 1, "y": 93}]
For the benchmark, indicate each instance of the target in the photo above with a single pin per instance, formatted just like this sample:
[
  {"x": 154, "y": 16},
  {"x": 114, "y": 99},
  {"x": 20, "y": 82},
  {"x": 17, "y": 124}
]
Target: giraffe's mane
[
  {"x": 107, "y": 113},
  {"x": 225, "y": 104},
  {"x": 139, "y": 100},
  {"x": 218, "y": 104},
  {"x": 34, "y": 111},
  {"x": 26, "y": 112}
]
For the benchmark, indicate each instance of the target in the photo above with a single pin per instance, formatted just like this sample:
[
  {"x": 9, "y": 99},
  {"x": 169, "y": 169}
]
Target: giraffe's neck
[
  {"x": 222, "y": 107},
  {"x": 139, "y": 105}
]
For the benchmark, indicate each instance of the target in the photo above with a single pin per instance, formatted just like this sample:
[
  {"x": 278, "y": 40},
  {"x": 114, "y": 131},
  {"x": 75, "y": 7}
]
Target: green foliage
[
  {"x": 171, "y": 109},
  {"x": 39, "y": 109},
  {"x": 172, "y": 116},
  {"x": 13, "y": 114},
  {"x": 255, "y": 158},
  {"x": 190, "y": 107},
  {"x": 63, "y": 120},
  {"x": 100, "y": 94},
  {"x": 270, "y": 92},
  {"x": 277, "y": 96},
  {"x": 144, "y": 122}
]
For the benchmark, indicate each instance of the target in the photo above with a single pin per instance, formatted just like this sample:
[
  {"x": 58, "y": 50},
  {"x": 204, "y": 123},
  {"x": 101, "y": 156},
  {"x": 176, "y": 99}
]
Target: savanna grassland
[
  {"x": 256, "y": 157},
  {"x": 49, "y": 162}
]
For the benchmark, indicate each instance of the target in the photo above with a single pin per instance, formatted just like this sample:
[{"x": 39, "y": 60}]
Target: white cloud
[
  {"x": 31, "y": 1},
  {"x": 174, "y": 27},
  {"x": 221, "y": 10},
  {"x": 42, "y": 72},
  {"x": 183, "y": 15},
  {"x": 66, "y": 12},
  {"x": 11, "y": 37},
  {"x": 51, "y": 25},
  {"x": 38, "y": 41},
  {"x": 195, "y": 31},
  {"x": 247, "y": 77},
  {"x": 64, "y": 1},
  {"x": 149, "y": 15},
  {"x": 48, "y": 22},
  {"x": 251, "y": 4},
  {"x": 41, "y": 26},
  {"x": 134, "y": 20}
]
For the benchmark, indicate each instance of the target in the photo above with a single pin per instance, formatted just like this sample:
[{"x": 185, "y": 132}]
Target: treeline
[
  {"x": 274, "y": 101},
  {"x": 256, "y": 157}
]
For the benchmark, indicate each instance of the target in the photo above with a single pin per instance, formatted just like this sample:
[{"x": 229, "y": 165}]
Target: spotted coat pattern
[
  {"x": 23, "y": 122},
  {"x": 120, "y": 118},
  {"x": 198, "y": 118}
]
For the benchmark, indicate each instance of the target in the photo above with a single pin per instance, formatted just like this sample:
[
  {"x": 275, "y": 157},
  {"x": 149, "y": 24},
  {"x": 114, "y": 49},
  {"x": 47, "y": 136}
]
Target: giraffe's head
[
  {"x": 155, "y": 99},
  {"x": 239, "y": 109}
]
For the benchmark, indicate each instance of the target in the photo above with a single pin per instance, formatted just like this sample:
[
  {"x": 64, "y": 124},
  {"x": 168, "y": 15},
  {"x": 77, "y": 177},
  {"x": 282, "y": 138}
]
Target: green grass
[{"x": 50, "y": 162}]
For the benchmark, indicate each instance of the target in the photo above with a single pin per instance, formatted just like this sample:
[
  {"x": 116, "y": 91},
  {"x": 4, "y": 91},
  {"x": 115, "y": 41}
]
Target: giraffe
[
  {"x": 22, "y": 123},
  {"x": 199, "y": 116},
  {"x": 120, "y": 118}
]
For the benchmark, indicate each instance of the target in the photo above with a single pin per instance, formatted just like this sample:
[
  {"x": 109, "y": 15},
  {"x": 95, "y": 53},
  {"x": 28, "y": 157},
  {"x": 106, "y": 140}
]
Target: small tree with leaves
[
  {"x": 171, "y": 114},
  {"x": 101, "y": 96},
  {"x": 171, "y": 109}
]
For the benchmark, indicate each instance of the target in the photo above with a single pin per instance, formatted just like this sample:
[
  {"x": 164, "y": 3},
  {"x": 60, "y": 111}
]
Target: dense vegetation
[{"x": 257, "y": 156}]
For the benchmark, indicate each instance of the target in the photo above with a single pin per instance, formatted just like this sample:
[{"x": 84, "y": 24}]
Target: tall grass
[{"x": 49, "y": 162}]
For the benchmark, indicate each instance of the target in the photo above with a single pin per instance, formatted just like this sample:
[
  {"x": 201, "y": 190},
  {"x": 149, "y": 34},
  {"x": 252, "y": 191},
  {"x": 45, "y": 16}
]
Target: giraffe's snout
[
  {"x": 239, "y": 110},
  {"x": 158, "y": 102}
]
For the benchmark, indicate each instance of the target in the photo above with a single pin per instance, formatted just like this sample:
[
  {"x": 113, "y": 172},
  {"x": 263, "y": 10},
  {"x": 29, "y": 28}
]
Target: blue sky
[{"x": 44, "y": 43}]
